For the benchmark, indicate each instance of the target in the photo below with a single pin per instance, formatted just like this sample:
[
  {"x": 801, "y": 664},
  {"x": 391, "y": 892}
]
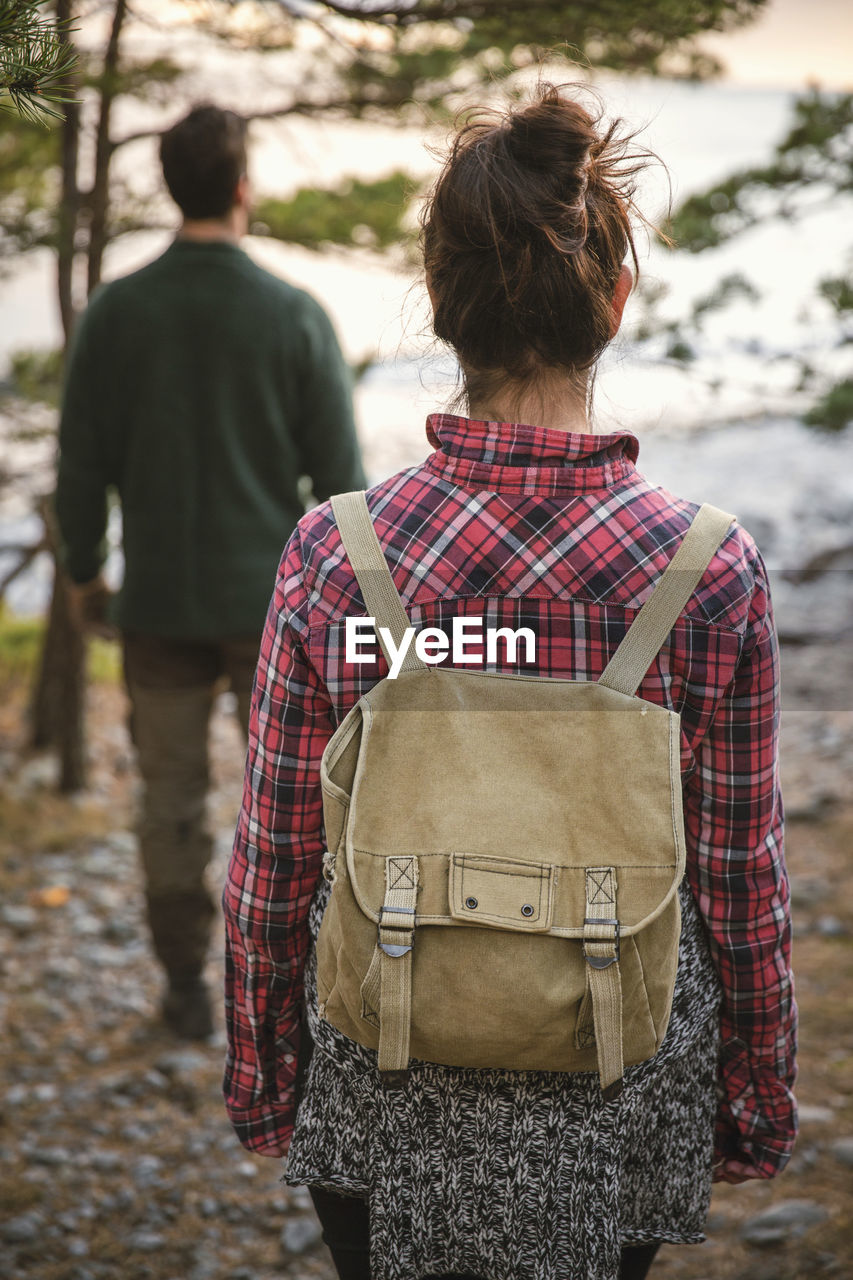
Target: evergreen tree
[{"x": 811, "y": 165}]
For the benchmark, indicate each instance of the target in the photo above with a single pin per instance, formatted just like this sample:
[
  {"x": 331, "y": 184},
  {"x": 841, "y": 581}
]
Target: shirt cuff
[
  {"x": 266, "y": 1129},
  {"x": 757, "y": 1117}
]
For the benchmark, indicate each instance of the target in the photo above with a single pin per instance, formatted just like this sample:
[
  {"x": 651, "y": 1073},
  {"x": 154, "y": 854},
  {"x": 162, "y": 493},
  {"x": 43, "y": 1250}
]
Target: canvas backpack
[{"x": 505, "y": 850}]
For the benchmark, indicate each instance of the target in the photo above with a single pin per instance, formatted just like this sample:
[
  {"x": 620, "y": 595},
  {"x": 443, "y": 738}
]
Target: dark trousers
[
  {"x": 172, "y": 686},
  {"x": 346, "y": 1232}
]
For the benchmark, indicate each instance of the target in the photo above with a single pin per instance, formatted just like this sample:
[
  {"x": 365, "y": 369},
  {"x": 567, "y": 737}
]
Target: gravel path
[{"x": 116, "y": 1158}]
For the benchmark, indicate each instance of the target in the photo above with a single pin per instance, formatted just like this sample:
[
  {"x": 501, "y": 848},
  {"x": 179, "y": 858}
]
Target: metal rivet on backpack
[
  {"x": 527, "y": 909},
  {"x": 472, "y": 904}
]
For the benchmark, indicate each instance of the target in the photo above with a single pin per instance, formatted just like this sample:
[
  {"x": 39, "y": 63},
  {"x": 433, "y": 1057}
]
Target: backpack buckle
[
  {"x": 601, "y": 962},
  {"x": 397, "y": 927}
]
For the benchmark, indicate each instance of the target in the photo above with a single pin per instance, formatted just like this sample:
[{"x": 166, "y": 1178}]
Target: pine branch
[
  {"x": 349, "y": 105},
  {"x": 36, "y": 64}
]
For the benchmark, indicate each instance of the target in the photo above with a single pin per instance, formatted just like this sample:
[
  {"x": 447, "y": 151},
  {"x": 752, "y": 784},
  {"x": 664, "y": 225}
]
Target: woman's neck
[{"x": 555, "y": 402}]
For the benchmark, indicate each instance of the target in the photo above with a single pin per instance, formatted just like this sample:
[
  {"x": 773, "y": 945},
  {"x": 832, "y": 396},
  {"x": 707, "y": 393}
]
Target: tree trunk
[
  {"x": 99, "y": 198},
  {"x": 60, "y": 691},
  {"x": 57, "y": 703}
]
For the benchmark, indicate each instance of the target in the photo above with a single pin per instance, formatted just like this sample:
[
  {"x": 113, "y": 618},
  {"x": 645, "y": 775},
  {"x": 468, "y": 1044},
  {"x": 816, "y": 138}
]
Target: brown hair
[
  {"x": 203, "y": 158},
  {"x": 524, "y": 236}
]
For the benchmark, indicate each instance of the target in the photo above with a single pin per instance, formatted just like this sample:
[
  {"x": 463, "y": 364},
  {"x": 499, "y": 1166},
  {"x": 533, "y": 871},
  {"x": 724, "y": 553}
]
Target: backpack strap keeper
[
  {"x": 600, "y": 931},
  {"x": 603, "y": 977},
  {"x": 396, "y": 939}
]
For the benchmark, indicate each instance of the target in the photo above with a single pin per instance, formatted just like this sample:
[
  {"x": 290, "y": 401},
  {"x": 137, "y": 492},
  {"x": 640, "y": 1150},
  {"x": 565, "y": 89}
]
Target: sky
[{"x": 792, "y": 44}]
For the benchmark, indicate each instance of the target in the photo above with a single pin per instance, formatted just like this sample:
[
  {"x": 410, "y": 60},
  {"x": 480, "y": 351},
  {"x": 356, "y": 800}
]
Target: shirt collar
[{"x": 517, "y": 458}]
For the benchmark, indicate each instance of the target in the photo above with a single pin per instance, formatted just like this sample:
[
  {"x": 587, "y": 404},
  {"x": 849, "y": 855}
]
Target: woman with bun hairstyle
[{"x": 522, "y": 514}]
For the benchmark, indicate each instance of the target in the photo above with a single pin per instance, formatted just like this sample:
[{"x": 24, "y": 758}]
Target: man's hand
[{"x": 89, "y": 606}]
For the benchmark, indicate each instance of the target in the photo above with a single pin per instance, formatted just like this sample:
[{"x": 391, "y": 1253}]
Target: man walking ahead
[{"x": 200, "y": 388}]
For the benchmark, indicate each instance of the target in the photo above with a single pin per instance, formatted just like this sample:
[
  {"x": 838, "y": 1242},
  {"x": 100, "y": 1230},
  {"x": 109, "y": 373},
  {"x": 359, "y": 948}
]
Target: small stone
[
  {"x": 39, "y": 773},
  {"x": 842, "y": 1149},
  {"x": 206, "y": 1266},
  {"x": 198, "y": 1145},
  {"x": 805, "y": 1157},
  {"x": 119, "y": 1082},
  {"x": 155, "y": 1080},
  {"x": 300, "y": 1234},
  {"x": 135, "y": 1134},
  {"x": 181, "y": 1062},
  {"x": 146, "y": 1171},
  {"x": 62, "y": 969},
  {"x": 816, "y": 1115},
  {"x": 123, "y": 843},
  {"x": 806, "y": 891},
  {"x": 21, "y": 920},
  {"x": 783, "y": 1221},
  {"x": 86, "y": 926},
  {"x": 53, "y": 1157},
  {"x": 22, "y": 1230},
  {"x": 145, "y": 1241},
  {"x": 99, "y": 862},
  {"x": 246, "y": 1169},
  {"x": 118, "y": 931},
  {"x": 77, "y": 1247},
  {"x": 105, "y": 1161},
  {"x": 96, "y": 1055},
  {"x": 832, "y": 927}
]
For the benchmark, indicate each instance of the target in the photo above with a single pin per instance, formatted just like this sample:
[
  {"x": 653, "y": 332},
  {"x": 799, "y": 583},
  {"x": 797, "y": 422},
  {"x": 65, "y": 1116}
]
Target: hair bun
[{"x": 553, "y": 136}]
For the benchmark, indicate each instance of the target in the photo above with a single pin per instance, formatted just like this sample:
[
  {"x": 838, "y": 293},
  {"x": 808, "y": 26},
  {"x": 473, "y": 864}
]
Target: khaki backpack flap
[{"x": 505, "y": 851}]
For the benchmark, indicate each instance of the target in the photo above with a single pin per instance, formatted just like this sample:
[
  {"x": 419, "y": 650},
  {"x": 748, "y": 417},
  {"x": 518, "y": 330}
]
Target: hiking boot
[{"x": 186, "y": 1009}]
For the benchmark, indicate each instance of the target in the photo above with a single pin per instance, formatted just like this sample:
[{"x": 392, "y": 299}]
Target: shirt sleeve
[
  {"x": 736, "y": 864},
  {"x": 326, "y": 434},
  {"x": 82, "y": 477},
  {"x": 275, "y": 865}
]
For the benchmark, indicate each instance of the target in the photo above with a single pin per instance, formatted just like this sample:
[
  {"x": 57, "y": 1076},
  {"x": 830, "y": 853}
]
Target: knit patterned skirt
[{"x": 518, "y": 1175}]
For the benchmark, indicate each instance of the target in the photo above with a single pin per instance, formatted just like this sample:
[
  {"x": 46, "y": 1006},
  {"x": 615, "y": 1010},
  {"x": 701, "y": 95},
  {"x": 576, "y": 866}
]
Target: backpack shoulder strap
[
  {"x": 659, "y": 614},
  {"x": 372, "y": 573}
]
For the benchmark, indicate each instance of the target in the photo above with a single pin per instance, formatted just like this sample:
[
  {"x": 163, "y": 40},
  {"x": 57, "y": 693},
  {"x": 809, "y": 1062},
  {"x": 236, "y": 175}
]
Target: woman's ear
[
  {"x": 432, "y": 294},
  {"x": 624, "y": 285}
]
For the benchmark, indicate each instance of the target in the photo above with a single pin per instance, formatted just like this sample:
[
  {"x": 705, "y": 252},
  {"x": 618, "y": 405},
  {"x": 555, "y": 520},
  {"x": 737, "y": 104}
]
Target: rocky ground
[{"x": 116, "y": 1159}]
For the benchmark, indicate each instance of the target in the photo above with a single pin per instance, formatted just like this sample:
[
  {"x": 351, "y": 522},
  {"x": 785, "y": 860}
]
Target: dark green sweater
[{"x": 201, "y": 388}]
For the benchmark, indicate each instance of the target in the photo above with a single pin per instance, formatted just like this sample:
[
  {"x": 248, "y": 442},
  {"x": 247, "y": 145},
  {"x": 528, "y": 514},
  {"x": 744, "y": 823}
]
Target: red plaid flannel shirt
[{"x": 524, "y": 526}]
